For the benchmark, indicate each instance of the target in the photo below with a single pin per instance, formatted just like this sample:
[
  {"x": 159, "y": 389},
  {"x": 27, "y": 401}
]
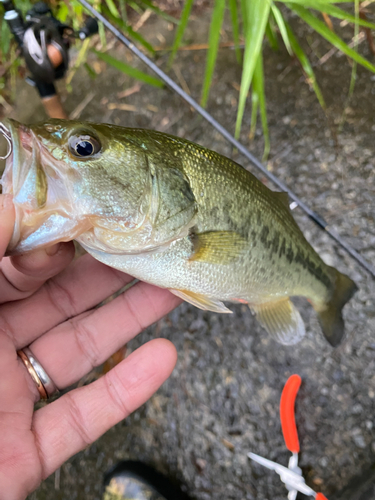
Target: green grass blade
[
  {"x": 311, "y": 3},
  {"x": 102, "y": 35},
  {"x": 281, "y": 24},
  {"x": 256, "y": 14},
  {"x": 235, "y": 27},
  {"x": 124, "y": 15},
  {"x": 181, "y": 29},
  {"x": 90, "y": 70},
  {"x": 254, "y": 113},
  {"x": 271, "y": 34},
  {"x": 356, "y": 33},
  {"x": 244, "y": 15},
  {"x": 139, "y": 38},
  {"x": 332, "y": 10},
  {"x": 129, "y": 70},
  {"x": 5, "y": 38},
  {"x": 321, "y": 28},
  {"x": 135, "y": 6},
  {"x": 123, "y": 26},
  {"x": 213, "y": 42},
  {"x": 305, "y": 63},
  {"x": 258, "y": 88},
  {"x": 353, "y": 75},
  {"x": 112, "y": 8},
  {"x": 159, "y": 12}
]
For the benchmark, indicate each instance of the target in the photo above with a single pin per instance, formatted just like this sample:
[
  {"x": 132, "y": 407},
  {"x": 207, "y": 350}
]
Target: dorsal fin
[{"x": 283, "y": 198}]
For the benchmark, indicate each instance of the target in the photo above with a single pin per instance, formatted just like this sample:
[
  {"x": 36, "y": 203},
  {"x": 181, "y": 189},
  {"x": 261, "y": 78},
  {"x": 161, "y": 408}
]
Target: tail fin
[{"x": 330, "y": 314}]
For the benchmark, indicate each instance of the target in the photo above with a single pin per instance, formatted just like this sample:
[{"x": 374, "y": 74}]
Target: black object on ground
[{"x": 136, "y": 480}]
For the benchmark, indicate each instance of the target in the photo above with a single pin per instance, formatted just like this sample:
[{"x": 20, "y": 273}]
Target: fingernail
[
  {"x": 6, "y": 201},
  {"x": 51, "y": 251}
]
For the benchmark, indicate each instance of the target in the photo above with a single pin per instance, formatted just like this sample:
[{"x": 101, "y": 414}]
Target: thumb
[{"x": 6, "y": 221}]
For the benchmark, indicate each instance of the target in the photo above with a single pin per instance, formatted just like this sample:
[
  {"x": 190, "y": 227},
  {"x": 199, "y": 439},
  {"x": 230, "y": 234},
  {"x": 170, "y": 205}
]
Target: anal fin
[
  {"x": 281, "y": 319},
  {"x": 201, "y": 301}
]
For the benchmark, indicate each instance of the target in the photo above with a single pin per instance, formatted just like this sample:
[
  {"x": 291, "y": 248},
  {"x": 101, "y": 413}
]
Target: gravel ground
[{"x": 222, "y": 399}]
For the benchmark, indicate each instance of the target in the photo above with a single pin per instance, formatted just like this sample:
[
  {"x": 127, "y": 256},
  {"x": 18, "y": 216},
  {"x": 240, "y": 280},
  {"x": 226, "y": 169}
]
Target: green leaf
[
  {"x": 63, "y": 12},
  {"x": 235, "y": 28},
  {"x": 353, "y": 75},
  {"x": 180, "y": 30},
  {"x": 139, "y": 38},
  {"x": 325, "y": 32},
  {"x": 281, "y": 24},
  {"x": 5, "y": 38},
  {"x": 102, "y": 34},
  {"x": 159, "y": 12},
  {"x": 135, "y": 6},
  {"x": 254, "y": 113},
  {"x": 332, "y": 10},
  {"x": 255, "y": 15},
  {"x": 305, "y": 63},
  {"x": 129, "y": 70},
  {"x": 258, "y": 88},
  {"x": 213, "y": 43},
  {"x": 356, "y": 33},
  {"x": 124, "y": 15},
  {"x": 244, "y": 7},
  {"x": 271, "y": 35},
  {"x": 112, "y": 8},
  {"x": 90, "y": 70}
]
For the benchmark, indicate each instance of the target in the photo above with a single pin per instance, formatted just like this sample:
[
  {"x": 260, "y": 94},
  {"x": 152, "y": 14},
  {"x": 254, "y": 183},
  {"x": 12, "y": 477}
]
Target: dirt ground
[{"x": 222, "y": 400}]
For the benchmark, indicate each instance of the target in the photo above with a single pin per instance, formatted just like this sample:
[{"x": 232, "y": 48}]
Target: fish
[{"x": 171, "y": 213}]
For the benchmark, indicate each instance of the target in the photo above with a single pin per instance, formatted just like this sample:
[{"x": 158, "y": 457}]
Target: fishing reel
[{"x": 44, "y": 42}]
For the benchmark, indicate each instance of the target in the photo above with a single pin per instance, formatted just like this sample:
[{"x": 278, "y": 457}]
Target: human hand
[{"x": 55, "y": 320}]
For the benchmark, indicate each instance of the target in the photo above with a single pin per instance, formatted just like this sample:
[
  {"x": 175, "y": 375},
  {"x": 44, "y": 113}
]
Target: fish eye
[{"x": 83, "y": 146}]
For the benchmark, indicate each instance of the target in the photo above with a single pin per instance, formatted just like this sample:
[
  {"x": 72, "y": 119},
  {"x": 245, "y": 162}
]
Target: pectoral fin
[
  {"x": 201, "y": 301},
  {"x": 217, "y": 247},
  {"x": 281, "y": 320}
]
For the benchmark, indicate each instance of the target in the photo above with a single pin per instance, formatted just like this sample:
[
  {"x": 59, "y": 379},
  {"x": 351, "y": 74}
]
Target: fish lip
[
  {"x": 19, "y": 139},
  {"x": 19, "y": 160}
]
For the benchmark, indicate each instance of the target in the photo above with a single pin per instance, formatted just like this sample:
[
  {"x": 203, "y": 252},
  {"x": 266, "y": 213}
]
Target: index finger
[{"x": 7, "y": 217}]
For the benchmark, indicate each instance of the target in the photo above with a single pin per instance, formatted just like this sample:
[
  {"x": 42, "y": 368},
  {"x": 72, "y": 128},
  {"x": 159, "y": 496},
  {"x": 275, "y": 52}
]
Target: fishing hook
[{"x": 6, "y": 133}]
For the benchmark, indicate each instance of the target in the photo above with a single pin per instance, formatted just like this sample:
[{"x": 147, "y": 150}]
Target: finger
[
  {"x": 22, "y": 275},
  {"x": 18, "y": 394},
  {"x": 80, "y": 417},
  {"x": 73, "y": 348},
  {"x": 6, "y": 221},
  {"x": 81, "y": 286}
]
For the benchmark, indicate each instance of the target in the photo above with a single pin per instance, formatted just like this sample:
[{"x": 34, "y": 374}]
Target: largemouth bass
[{"x": 171, "y": 213}]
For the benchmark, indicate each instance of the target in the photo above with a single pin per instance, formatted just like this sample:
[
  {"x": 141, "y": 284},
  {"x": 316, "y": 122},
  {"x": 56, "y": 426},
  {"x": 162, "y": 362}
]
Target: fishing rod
[
  {"x": 44, "y": 43},
  {"x": 312, "y": 215}
]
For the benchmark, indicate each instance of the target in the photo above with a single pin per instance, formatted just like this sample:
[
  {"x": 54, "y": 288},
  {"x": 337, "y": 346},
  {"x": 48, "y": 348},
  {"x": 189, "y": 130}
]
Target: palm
[{"x": 69, "y": 338}]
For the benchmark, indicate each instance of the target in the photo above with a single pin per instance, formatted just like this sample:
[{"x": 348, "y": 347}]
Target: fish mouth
[
  {"x": 20, "y": 161},
  {"x": 44, "y": 213}
]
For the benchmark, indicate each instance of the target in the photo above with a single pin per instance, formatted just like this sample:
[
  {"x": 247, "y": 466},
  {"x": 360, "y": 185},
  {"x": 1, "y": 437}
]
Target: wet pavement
[{"x": 222, "y": 399}]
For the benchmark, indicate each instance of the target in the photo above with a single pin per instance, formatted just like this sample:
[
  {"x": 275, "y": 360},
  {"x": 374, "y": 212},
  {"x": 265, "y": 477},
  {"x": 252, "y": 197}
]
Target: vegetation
[{"x": 252, "y": 21}]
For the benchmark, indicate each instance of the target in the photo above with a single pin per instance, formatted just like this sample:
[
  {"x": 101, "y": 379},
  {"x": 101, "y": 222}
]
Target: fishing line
[{"x": 313, "y": 215}]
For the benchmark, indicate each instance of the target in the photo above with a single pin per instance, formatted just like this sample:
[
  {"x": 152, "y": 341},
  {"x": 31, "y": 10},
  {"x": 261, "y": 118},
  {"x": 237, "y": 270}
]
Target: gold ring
[{"x": 43, "y": 382}]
